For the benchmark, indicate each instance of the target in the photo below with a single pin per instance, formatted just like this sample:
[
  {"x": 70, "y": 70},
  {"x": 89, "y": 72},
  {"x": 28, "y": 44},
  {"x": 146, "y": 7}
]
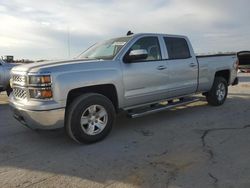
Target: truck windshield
[{"x": 105, "y": 50}]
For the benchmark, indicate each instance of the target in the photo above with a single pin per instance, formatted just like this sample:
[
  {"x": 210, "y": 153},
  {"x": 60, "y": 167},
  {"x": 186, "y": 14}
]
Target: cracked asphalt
[{"x": 194, "y": 146}]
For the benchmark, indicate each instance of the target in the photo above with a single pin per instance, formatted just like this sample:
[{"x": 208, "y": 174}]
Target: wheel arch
[
  {"x": 108, "y": 90},
  {"x": 224, "y": 74}
]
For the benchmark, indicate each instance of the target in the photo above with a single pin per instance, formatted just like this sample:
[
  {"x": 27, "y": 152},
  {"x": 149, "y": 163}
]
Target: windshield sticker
[{"x": 118, "y": 43}]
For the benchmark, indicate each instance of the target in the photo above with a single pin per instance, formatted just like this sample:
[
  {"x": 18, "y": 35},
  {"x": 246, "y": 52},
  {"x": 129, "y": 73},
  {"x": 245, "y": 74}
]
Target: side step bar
[{"x": 159, "y": 107}]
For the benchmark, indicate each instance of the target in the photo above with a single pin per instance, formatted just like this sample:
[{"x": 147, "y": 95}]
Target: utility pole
[{"x": 68, "y": 42}]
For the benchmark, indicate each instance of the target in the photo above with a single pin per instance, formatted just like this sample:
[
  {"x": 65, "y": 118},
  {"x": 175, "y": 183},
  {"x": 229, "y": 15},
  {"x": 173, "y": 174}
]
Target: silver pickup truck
[
  {"x": 133, "y": 73},
  {"x": 5, "y": 76}
]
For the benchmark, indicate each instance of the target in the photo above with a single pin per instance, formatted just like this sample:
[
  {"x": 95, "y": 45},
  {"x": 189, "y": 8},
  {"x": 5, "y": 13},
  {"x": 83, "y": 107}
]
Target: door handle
[
  {"x": 192, "y": 65},
  {"x": 161, "y": 67}
]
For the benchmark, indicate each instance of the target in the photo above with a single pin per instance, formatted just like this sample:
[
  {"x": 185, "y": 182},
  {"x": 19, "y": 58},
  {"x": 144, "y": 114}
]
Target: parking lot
[{"x": 187, "y": 147}]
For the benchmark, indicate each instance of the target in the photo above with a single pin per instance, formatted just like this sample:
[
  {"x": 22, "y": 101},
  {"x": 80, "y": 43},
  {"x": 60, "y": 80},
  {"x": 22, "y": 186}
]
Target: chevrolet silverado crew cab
[{"x": 134, "y": 73}]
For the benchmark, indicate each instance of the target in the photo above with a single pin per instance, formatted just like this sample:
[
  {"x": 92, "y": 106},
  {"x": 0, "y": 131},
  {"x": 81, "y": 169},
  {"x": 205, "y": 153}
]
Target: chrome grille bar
[
  {"x": 19, "y": 79},
  {"x": 20, "y": 93}
]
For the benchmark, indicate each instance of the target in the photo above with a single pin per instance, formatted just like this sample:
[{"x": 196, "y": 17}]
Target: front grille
[
  {"x": 18, "y": 79},
  {"x": 20, "y": 93}
]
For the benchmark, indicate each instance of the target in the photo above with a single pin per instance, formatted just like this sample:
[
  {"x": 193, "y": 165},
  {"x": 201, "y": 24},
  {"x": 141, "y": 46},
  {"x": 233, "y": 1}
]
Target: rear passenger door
[{"x": 182, "y": 67}]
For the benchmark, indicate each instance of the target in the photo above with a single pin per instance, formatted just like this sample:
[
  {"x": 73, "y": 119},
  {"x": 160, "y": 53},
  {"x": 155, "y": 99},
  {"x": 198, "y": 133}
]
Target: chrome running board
[{"x": 135, "y": 113}]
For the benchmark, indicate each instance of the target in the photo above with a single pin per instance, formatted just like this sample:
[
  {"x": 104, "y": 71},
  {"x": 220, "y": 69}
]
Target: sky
[{"x": 46, "y": 29}]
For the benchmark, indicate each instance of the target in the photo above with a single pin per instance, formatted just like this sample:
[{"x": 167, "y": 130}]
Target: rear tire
[
  {"x": 218, "y": 93},
  {"x": 89, "y": 118}
]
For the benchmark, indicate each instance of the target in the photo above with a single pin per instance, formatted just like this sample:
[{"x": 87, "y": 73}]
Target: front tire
[
  {"x": 89, "y": 118},
  {"x": 218, "y": 94}
]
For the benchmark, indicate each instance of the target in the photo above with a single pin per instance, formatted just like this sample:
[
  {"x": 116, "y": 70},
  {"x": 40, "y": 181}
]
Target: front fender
[{"x": 65, "y": 82}]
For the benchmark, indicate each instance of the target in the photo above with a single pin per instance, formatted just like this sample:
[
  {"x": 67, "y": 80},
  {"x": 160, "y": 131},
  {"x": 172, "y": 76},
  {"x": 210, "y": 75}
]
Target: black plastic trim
[{"x": 215, "y": 55}]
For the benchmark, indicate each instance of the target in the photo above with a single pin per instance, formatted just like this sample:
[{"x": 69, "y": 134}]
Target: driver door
[{"x": 145, "y": 80}]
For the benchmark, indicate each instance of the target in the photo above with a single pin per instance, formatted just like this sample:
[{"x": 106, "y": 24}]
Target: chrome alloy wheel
[
  {"x": 221, "y": 92},
  {"x": 94, "y": 119}
]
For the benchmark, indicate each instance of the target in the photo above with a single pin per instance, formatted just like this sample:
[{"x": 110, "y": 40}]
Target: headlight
[
  {"x": 41, "y": 93},
  {"x": 40, "y": 86},
  {"x": 39, "y": 79}
]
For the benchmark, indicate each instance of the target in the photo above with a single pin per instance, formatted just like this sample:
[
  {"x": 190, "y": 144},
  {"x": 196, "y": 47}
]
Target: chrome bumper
[{"x": 45, "y": 119}]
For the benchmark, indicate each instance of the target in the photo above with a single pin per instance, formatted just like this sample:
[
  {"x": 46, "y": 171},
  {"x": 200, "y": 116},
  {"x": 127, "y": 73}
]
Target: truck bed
[{"x": 209, "y": 64}]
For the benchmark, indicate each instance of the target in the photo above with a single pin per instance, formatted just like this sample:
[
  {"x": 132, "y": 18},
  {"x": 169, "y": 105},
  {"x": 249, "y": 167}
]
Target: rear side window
[{"x": 177, "y": 48}]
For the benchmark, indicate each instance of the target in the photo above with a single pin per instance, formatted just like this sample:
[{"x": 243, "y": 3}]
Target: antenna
[
  {"x": 129, "y": 33},
  {"x": 68, "y": 34}
]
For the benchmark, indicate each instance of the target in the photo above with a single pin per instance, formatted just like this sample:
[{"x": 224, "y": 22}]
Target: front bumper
[{"x": 39, "y": 119}]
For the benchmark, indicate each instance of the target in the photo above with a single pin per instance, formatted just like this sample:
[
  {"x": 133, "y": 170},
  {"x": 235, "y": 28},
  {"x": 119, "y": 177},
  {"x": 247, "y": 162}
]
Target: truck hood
[{"x": 40, "y": 66}]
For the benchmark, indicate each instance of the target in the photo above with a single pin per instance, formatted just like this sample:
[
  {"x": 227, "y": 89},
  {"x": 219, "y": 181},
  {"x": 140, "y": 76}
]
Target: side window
[
  {"x": 151, "y": 44},
  {"x": 177, "y": 48}
]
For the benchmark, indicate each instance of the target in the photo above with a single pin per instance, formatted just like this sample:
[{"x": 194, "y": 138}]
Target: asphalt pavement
[{"x": 194, "y": 146}]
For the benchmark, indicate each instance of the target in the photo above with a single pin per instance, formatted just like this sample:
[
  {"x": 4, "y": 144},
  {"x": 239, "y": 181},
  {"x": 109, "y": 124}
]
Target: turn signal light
[{"x": 41, "y": 93}]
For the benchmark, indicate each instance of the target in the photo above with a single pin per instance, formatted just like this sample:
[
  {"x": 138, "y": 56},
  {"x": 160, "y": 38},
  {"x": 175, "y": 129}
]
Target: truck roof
[{"x": 159, "y": 34}]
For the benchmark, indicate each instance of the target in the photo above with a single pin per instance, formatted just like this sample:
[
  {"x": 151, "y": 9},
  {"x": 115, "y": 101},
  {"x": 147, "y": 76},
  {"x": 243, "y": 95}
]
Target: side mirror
[{"x": 136, "y": 55}]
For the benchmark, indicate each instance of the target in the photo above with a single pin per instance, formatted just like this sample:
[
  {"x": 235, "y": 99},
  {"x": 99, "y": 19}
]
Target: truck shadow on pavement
[{"x": 151, "y": 150}]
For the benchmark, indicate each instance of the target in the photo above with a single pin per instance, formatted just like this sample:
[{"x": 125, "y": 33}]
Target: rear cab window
[{"x": 177, "y": 48}]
